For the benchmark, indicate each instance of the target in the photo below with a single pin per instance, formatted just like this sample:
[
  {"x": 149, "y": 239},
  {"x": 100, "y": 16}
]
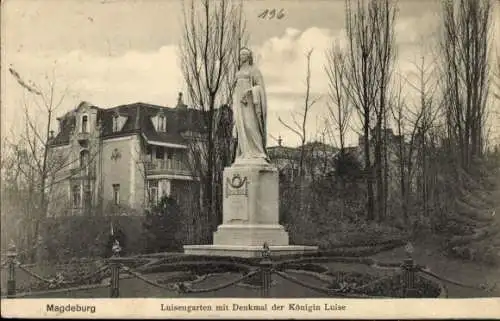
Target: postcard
[{"x": 250, "y": 159}]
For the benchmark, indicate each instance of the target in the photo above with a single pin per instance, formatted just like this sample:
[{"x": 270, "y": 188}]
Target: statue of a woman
[{"x": 249, "y": 112}]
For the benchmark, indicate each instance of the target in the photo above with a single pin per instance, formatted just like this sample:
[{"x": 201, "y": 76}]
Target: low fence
[{"x": 264, "y": 270}]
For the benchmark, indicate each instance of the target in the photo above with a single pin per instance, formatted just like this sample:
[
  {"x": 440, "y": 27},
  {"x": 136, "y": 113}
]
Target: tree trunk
[
  {"x": 370, "y": 215},
  {"x": 379, "y": 177}
]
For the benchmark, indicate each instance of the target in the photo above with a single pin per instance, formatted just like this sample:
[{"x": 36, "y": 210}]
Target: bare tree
[
  {"x": 340, "y": 110},
  {"x": 369, "y": 62},
  {"x": 464, "y": 52},
  {"x": 299, "y": 125},
  {"x": 41, "y": 168},
  {"x": 415, "y": 121},
  {"x": 339, "y": 107},
  {"x": 38, "y": 167},
  {"x": 384, "y": 15},
  {"x": 213, "y": 33}
]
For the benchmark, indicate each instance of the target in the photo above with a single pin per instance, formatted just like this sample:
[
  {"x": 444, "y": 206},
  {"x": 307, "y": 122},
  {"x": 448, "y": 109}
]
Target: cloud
[
  {"x": 154, "y": 76},
  {"x": 283, "y": 59},
  {"x": 283, "y": 64},
  {"x": 416, "y": 30},
  {"x": 105, "y": 81}
]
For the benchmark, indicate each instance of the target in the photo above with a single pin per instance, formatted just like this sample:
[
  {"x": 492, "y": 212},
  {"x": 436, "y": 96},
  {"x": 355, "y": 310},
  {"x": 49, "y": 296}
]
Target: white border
[{"x": 354, "y": 308}]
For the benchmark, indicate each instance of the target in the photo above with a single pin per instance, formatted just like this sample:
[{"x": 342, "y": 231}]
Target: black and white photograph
[{"x": 250, "y": 158}]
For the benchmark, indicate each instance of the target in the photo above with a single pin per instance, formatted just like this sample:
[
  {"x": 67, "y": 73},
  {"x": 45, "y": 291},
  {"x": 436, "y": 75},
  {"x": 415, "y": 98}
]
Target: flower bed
[
  {"x": 175, "y": 277},
  {"x": 197, "y": 267},
  {"x": 310, "y": 267},
  {"x": 363, "y": 283},
  {"x": 74, "y": 273}
]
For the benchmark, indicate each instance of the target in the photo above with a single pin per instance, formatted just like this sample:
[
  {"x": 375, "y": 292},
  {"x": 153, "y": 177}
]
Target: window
[
  {"x": 116, "y": 194},
  {"x": 160, "y": 151},
  {"x": 166, "y": 188},
  {"x": 161, "y": 123},
  {"x": 153, "y": 192},
  {"x": 84, "y": 160},
  {"x": 116, "y": 122},
  {"x": 149, "y": 154},
  {"x": 76, "y": 195},
  {"x": 85, "y": 120},
  {"x": 87, "y": 198}
]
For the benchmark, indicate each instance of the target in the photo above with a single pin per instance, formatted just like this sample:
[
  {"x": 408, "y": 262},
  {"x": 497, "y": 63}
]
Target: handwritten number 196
[{"x": 272, "y": 14}]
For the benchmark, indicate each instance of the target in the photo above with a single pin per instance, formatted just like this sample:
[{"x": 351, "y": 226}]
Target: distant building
[
  {"x": 318, "y": 159},
  {"x": 127, "y": 156}
]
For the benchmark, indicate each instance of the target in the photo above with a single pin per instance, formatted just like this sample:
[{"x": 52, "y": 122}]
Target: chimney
[
  {"x": 180, "y": 101},
  {"x": 60, "y": 121},
  {"x": 51, "y": 134},
  {"x": 138, "y": 118}
]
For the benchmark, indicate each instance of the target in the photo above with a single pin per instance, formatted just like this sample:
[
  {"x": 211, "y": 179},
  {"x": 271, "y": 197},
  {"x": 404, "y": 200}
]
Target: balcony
[
  {"x": 82, "y": 173},
  {"x": 167, "y": 166},
  {"x": 82, "y": 136}
]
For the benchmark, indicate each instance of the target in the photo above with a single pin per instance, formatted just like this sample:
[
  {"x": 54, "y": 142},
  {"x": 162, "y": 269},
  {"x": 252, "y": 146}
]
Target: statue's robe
[{"x": 250, "y": 114}]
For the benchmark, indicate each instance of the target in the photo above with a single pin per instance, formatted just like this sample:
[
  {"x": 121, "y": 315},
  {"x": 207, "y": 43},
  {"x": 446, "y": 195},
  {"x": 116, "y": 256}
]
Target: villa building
[{"x": 126, "y": 156}]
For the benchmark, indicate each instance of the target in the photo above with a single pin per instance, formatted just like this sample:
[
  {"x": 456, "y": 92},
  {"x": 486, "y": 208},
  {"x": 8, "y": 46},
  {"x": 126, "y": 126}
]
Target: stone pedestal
[{"x": 250, "y": 214}]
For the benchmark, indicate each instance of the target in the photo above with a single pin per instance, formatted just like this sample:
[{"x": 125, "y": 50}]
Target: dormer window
[
  {"x": 85, "y": 123},
  {"x": 162, "y": 123},
  {"x": 116, "y": 123}
]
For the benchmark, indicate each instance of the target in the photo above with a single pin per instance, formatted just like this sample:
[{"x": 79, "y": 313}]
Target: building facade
[
  {"x": 124, "y": 157},
  {"x": 318, "y": 159}
]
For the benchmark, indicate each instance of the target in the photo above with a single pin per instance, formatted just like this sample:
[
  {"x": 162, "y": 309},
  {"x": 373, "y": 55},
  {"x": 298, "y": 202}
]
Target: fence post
[
  {"x": 265, "y": 270},
  {"x": 11, "y": 278},
  {"x": 409, "y": 269},
  {"x": 114, "y": 265}
]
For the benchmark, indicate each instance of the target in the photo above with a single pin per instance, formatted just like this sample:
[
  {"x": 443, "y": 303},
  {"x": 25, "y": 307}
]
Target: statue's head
[{"x": 246, "y": 56}]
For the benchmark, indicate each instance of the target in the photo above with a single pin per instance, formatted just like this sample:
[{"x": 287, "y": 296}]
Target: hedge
[{"x": 64, "y": 238}]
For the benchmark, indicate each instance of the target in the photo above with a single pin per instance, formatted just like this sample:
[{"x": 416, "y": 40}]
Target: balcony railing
[
  {"x": 82, "y": 172},
  {"x": 82, "y": 136},
  {"x": 167, "y": 166}
]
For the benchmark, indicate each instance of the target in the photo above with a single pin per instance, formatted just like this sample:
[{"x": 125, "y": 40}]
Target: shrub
[
  {"x": 162, "y": 226},
  {"x": 65, "y": 238},
  {"x": 331, "y": 217},
  {"x": 390, "y": 287}
]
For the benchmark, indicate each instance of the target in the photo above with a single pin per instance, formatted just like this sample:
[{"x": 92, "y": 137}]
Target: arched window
[{"x": 85, "y": 121}]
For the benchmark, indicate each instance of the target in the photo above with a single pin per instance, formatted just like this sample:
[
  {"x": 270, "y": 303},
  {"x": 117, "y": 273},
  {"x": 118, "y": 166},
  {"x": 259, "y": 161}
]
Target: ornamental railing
[
  {"x": 172, "y": 165},
  {"x": 262, "y": 271}
]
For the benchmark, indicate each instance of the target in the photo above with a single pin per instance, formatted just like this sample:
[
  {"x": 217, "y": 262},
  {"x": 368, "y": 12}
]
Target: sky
[{"x": 114, "y": 52}]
